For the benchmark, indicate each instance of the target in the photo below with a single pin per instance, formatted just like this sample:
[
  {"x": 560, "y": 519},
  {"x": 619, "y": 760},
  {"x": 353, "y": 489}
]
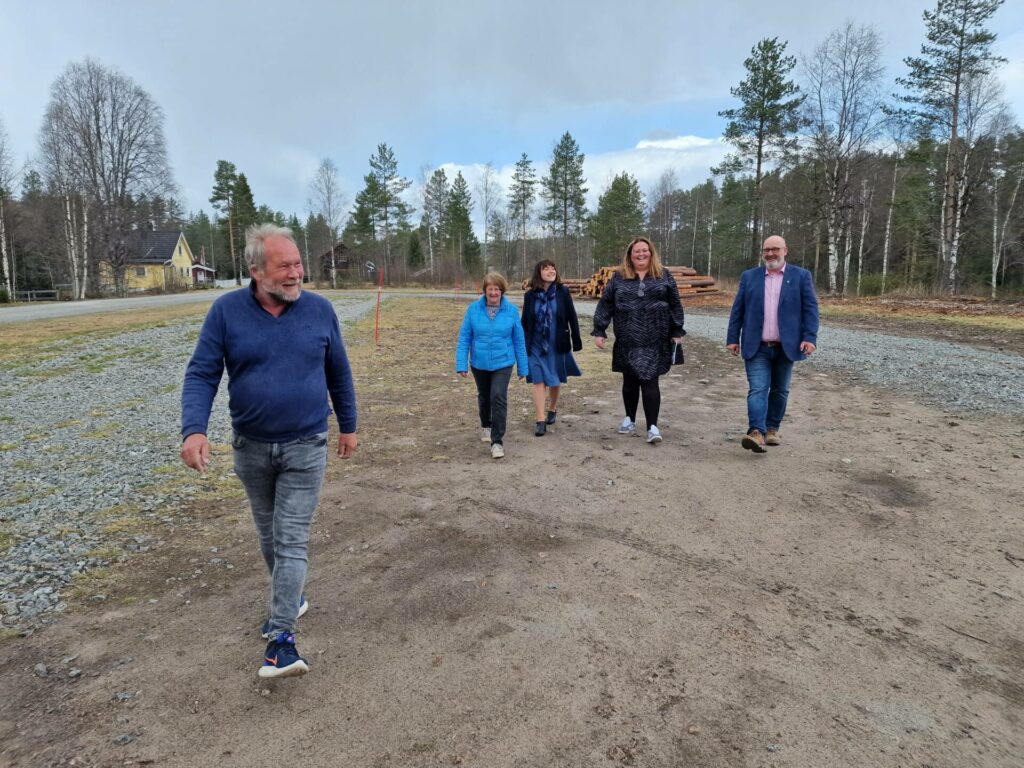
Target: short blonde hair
[
  {"x": 627, "y": 263},
  {"x": 493, "y": 278}
]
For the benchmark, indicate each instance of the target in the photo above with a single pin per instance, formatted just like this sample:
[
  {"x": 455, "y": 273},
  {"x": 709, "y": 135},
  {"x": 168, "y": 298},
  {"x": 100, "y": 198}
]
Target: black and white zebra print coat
[{"x": 647, "y": 316}]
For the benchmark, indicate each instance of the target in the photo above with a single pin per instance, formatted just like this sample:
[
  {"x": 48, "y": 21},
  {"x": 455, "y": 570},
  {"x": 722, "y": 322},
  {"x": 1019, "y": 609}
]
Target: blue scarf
[{"x": 545, "y": 316}]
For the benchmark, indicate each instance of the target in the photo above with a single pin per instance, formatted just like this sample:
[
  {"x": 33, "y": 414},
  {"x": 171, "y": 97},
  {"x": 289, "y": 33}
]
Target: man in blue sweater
[{"x": 284, "y": 356}]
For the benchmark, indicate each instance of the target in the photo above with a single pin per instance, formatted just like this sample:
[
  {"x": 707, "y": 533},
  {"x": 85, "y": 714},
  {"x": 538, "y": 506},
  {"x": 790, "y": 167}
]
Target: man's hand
[
  {"x": 195, "y": 452},
  {"x": 599, "y": 341},
  {"x": 807, "y": 348},
  {"x": 463, "y": 374},
  {"x": 734, "y": 348},
  {"x": 347, "y": 443}
]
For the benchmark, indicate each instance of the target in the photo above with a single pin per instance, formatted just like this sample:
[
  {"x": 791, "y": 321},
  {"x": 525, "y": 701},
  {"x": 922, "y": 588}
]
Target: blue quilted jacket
[{"x": 489, "y": 345}]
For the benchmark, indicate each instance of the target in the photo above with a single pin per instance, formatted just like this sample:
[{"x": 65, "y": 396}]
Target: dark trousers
[
  {"x": 492, "y": 398},
  {"x": 631, "y": 390}
]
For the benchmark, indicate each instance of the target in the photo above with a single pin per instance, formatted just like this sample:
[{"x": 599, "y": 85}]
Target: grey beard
[{"x": 282, "y": 296}]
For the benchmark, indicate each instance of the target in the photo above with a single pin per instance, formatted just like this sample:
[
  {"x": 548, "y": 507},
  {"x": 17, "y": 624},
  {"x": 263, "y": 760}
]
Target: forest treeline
[{"x": 880, "y": 182}]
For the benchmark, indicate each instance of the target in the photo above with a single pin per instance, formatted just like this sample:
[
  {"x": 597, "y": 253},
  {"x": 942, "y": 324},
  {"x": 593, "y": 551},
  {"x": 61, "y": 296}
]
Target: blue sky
[{"x": 274, "y": 87}]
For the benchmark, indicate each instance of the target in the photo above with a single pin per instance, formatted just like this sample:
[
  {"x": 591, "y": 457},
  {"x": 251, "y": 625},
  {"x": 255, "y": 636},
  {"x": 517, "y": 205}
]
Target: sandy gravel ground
[{"x": 853, "y": 598}]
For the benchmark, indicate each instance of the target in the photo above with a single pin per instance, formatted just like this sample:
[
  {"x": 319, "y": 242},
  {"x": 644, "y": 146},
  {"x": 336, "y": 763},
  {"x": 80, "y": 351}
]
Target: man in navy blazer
[{"x": 776, "y": 312}]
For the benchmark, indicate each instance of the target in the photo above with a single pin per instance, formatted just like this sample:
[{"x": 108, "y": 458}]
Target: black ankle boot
[
  {"x": 541, "y": 429},
  {"x": 552, "y": 415}
]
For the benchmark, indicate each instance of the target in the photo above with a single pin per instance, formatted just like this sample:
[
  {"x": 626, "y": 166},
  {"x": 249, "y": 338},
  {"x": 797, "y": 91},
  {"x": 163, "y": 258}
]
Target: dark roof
[{"x": 155, "y": 247}]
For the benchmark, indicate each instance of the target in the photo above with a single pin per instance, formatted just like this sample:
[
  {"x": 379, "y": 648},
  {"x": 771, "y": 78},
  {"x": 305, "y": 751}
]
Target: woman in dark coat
[
  {"x": 552, "y": 335},
  {"x": 643, "y": 301}
]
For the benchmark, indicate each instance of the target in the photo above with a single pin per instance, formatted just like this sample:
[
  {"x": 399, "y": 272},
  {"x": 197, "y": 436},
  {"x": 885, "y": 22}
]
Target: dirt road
[{"x": 853, "y": 598}]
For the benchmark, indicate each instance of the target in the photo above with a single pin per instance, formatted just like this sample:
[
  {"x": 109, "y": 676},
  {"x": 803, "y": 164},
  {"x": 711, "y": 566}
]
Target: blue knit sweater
[{"x": 281, "y": 370}]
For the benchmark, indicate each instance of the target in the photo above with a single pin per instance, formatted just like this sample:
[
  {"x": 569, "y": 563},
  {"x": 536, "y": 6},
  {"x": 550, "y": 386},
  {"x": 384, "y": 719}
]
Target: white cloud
[{"x": 690, "y": 157}]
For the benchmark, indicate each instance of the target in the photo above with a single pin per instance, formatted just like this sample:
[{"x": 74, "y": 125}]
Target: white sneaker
[
  {"x": 485, "y": 434},
  {"x": 497, "y": 451},
  {"x": 653, "y": 435},
  {"x": 627, "y": 427}
]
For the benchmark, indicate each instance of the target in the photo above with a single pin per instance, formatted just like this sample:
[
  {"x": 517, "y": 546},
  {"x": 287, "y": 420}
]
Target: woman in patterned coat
[{"x": 643, "y": 302}]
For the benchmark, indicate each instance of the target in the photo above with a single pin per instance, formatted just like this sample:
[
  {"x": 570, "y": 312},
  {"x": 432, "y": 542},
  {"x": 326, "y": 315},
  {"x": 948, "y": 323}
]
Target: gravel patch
[
  {"x": 89, "y": 435},
  {"x": 954, "y": 377}
]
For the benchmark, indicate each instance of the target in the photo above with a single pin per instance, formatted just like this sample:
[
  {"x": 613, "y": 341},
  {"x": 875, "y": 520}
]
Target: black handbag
[{"x": 678, "y": 358}]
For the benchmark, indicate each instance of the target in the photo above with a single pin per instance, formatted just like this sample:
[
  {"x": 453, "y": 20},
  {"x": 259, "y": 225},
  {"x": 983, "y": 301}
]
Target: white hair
[{"x": 256, "y": 240}]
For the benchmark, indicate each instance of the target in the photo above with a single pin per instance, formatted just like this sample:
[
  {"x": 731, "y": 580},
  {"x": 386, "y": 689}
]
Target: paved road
[{"x": 50, "y": 310}]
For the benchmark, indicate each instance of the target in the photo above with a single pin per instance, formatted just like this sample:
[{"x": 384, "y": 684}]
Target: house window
[{"x": 140, "y": 271}]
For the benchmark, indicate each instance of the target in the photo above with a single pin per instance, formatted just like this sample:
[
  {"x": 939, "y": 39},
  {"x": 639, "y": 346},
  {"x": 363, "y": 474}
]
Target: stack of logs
[{"x": 689, "y": 282}]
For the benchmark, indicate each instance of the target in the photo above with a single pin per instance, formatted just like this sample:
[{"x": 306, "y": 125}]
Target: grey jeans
[{"x": 283, "y": 481}]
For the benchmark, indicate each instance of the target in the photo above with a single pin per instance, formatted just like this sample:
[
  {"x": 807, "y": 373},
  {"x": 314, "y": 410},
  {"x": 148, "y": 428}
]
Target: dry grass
[{"x": 19, "y": 339}]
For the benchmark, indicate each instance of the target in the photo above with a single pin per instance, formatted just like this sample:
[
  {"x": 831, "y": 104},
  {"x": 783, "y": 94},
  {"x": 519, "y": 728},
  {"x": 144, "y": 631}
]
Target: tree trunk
[
  {"x": 865, "y": 216},
  {"x": 70, "y": 238},
  {"x": 998, "y": 250},
  {"x": 5, "y": 263},
  {"x": 85, "y": 249},
  {"x": 888, "y": 225}
]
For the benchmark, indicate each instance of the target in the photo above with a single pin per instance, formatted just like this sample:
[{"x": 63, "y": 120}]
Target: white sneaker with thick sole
[
  {"x": 627, "y": 427},
  {"x": 497, "y": 451},
  {"x": 653, "y": 435},
  {"x": 485, "y": 434}
]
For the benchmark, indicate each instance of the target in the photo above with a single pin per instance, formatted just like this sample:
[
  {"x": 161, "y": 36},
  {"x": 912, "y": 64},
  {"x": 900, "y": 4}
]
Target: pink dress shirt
[{"x": 772, "y": 291}]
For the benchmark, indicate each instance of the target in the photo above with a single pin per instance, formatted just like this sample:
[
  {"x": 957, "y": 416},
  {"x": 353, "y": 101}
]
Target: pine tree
[
  {"x": 619, "y": 217},
  {"x": 462, "y": 241},
  {"x": 958, "y": 52},
  {"x": 225, "y": 178},
  {"x": 435, "y": 209},
  {"x": 762, "y": 128},
  {"x": 521, "y": 195},
  {"x": 564, "y": 190},
  {"x": 393, "y": 212},
  {"x": 245, "y": 210}
]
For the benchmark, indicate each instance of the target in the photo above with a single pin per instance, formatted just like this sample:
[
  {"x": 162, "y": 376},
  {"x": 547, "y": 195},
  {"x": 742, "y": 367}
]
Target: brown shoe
[
  {"x": 754, "y": 442},
  {"x": 772, "y": 438}
]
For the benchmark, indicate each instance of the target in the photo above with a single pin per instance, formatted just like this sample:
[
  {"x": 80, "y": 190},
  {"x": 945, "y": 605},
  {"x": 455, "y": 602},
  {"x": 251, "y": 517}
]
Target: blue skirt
[{"x": 552, "y": 369}]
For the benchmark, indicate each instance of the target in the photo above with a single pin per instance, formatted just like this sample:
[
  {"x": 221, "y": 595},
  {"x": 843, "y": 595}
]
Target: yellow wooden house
[{"x": 163, "y": 261}]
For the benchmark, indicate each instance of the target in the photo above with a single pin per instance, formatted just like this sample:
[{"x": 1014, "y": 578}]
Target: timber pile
[{"x": 690, "y": 283}]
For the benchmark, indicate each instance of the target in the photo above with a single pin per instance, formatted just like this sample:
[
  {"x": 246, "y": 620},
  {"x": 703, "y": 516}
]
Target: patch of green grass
[
  {"x": 7, "y": 446},
  {"x": 169, "y": 469},
  {"x": 7, "y": 540},
  {"x": 67, "y": 423},
  {"x": 88, "y": 583},
  {"x": 168, "y": 388},
  {"x": 104, "y": 432},
  {"x": 36, "y": 437},
  {"x": 45, "y": 373},
  {"x": 133, "y": 403},
  {"x": 5, "y": 419}
]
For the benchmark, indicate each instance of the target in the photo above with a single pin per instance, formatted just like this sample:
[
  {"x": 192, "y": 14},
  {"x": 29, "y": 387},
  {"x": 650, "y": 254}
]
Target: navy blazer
[{"x": 798, "y": 312}]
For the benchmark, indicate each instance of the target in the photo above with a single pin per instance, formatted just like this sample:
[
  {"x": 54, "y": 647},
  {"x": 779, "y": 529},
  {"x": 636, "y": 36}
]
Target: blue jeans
[
  {"x": 768, "y": 375},
  {"x": 283, "y": 481}
]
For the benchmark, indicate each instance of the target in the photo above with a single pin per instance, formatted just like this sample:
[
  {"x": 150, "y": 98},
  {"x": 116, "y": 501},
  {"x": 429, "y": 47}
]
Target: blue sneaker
[
  {"x": 282, "y": 659},
  {"x": 303, "y": 607}
]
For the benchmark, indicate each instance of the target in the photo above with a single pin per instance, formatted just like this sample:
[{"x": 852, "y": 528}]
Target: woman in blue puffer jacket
[{"x": 491, "y": 340}]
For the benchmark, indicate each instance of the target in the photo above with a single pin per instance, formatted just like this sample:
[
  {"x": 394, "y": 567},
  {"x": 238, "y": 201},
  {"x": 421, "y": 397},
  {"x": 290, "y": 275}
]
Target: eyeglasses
[{"x": 772, "y": 250}]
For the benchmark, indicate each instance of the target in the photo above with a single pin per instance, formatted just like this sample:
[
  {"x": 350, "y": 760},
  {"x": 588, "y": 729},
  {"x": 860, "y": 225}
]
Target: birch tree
[
  {"x": 843, "y": 110},
  {"x": 488, "y": 197},
  {"x": 108, "y": 132},
  {"x": 327, "y": 199},
  {"x": 6, "y": 186}
]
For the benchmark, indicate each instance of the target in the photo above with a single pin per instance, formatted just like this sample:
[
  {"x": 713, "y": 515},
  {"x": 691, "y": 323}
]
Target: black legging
[{"x": 631, "y": 389}]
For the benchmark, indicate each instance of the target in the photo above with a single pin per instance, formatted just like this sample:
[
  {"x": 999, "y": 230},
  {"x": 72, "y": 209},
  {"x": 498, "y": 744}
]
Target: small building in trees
[
  {"x": 160, "y": 261},
  {"x": 336, "y": 256}
]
